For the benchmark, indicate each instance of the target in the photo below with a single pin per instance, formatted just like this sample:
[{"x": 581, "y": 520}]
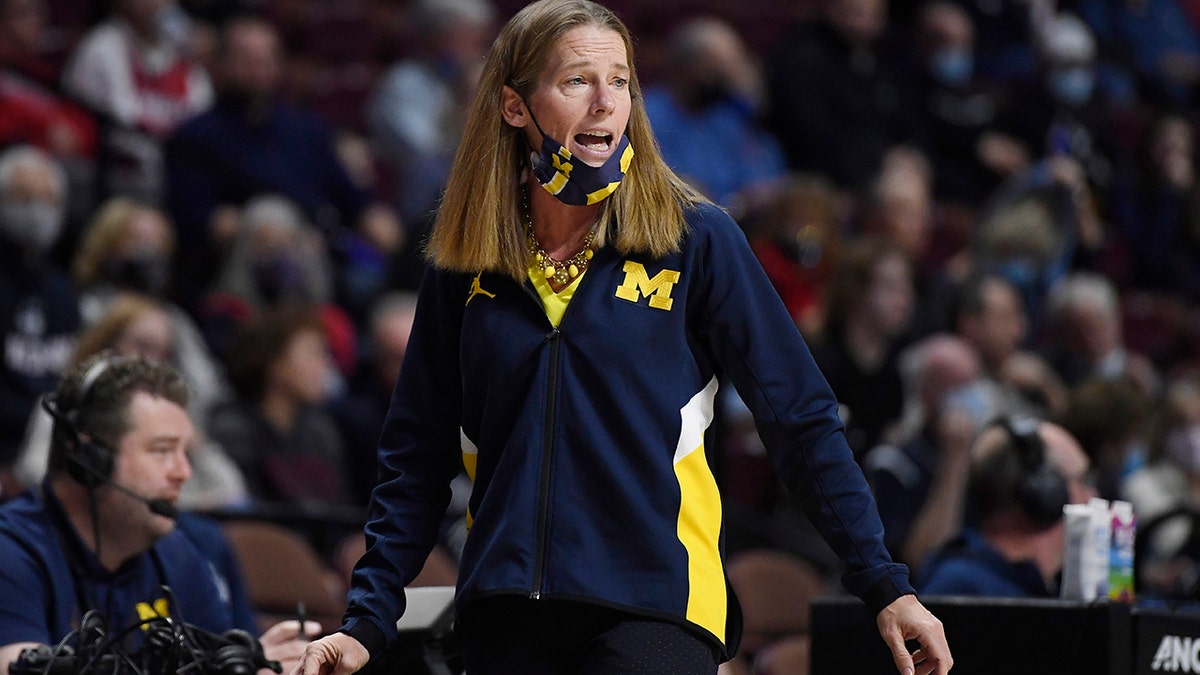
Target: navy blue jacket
[{"x": 585, "y": 441}]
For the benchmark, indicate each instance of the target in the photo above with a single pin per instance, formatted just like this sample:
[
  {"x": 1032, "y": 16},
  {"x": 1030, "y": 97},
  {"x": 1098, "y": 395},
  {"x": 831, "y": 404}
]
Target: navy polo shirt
[{"x": 48, "y": 579}]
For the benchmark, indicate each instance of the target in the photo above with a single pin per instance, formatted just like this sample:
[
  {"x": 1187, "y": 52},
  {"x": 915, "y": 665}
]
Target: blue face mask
[
  {"x": 573, "y": 181},
  {"x": 952, "y": 66},
  {"x": 1073, "y": 86}
]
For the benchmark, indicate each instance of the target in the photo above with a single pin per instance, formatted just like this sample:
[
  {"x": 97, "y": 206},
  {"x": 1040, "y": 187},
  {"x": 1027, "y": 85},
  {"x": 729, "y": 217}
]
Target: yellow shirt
[{"x": 555, "y": 304}]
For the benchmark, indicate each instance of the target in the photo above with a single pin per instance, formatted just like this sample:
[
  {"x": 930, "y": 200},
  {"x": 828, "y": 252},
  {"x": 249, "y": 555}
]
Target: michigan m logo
[
  {"x": 562, "y": 163},
  {"x": 157, "y": 610},
  {"x": 638, "y": 284}
]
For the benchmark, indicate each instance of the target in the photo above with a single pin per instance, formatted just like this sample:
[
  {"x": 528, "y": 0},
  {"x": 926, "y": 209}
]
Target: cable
[
  {"x": 91, "y": 492},
  {"x": 185, "y": 638},
  {"x": 63, "y": 645},
  {"x": 96, "y": 650},
  {"x": 170, "y": 645}
]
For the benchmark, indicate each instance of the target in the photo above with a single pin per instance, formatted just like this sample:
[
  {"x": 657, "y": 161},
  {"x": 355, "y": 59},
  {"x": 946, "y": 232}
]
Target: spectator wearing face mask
[
  {"x": 713, "y": 91},
  {"x": 920, "y": 482},
  {"x": 958, "y": 109},
  {"x": 1063, "y": 113},
  {"x": 277, "y": 259},
  {"x": 39, "y": 308},
  {"x": 251, "y": 143},
  {"x": 796, "y": 235},
  {"x": 1004, "y": 49},
  {"x": 128, "y": 247}
]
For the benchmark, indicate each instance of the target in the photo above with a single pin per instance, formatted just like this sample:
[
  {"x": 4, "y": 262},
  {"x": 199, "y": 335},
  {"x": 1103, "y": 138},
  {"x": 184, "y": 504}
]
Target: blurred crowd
[{"x": 970, "y": 207}]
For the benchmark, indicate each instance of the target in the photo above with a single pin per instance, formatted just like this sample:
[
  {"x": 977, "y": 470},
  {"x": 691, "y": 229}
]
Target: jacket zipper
[
  {"x": 547, "y": 459},
  {"x": 554, "y": 337}
]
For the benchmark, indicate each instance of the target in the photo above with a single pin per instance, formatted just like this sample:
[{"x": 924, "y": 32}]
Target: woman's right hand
[{"x": 336, "y": 654}]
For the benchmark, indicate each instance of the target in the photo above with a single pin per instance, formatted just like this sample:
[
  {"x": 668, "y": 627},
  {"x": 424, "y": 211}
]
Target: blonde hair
[
  {"x": 105, "y": 232},
  {"x": 479, "y": 224},
  {"x": 105, "y": 333}
]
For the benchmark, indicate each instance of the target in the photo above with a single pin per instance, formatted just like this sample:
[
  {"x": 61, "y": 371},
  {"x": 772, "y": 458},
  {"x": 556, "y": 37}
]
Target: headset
[
  {"x": 89, "y": 460},
  {"x": 1041, "y": 490}
]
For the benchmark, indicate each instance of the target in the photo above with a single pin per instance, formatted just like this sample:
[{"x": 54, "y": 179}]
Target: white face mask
[{"x": 32, "y": 226}]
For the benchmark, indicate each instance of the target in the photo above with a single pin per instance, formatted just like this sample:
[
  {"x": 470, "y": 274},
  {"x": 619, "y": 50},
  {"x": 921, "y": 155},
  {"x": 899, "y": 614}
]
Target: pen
[{"x": 302, "y": 617}]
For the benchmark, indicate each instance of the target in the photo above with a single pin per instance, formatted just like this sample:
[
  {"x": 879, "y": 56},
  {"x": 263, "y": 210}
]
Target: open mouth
[{"x": 595, "y": 141}]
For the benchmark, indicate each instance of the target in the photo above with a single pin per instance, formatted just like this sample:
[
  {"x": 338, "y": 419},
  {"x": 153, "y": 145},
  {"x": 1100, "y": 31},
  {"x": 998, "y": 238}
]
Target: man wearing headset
[
  {"x": 98, "y": 537},
  {"x": 1023, "y": 471}
]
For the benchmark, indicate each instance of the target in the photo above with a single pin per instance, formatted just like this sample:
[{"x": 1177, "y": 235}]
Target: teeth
[{"x": 595, "y": 139}]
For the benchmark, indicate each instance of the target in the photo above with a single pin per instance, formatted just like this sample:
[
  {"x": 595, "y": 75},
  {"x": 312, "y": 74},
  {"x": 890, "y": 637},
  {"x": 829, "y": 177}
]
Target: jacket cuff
[
  {"x": 885, "y": 591},
  {"x": 366, "y": 633}
]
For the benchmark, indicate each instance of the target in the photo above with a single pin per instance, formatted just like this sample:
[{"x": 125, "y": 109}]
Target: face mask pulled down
[{"x": 574, "y": 182}]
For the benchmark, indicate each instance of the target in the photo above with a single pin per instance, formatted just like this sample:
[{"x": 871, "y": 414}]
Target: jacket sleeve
[
  {"x": 419, "y": 454},
  {"x": 759, "y": 348}
]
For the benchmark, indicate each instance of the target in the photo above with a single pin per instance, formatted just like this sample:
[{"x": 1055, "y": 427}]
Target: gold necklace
[{"x": 560, "y": 272}]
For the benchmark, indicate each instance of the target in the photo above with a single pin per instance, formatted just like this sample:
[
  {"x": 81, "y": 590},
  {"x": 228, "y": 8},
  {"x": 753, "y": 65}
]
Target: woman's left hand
[{"x": 907, "y": 619}]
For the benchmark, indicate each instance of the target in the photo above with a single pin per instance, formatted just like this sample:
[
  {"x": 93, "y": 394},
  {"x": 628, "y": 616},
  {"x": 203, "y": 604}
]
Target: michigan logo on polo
[{"x": 146, "y": 611}]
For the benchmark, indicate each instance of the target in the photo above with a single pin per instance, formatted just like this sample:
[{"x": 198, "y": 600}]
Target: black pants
[{"x": 517, "y": 636}]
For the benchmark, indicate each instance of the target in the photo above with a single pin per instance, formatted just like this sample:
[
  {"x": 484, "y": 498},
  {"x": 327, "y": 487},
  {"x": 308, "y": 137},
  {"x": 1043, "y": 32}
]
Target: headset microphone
[{"x": 162, "y": 507}]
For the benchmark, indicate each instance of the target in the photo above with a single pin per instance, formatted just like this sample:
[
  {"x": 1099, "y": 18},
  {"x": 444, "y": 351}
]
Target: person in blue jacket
[
  {"x": 581, "y": 302},
  {"x": 99, "y": 538}
]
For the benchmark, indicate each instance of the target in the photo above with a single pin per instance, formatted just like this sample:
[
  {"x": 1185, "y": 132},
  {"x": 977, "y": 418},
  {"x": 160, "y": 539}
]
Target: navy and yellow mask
[{"x": 573, "y": 181}]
